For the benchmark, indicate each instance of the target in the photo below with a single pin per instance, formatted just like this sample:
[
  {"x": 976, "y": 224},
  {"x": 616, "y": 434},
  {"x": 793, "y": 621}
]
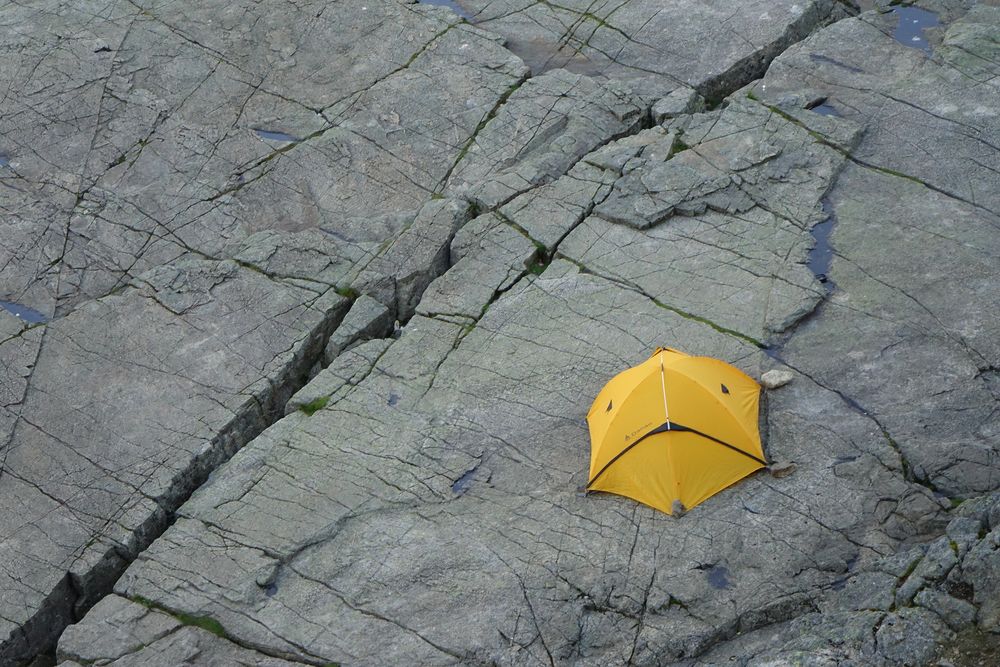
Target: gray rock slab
[
  {"x": 136, "y": 635},
  {"x": 860, "y": 625},
  {"x": 705, "y": 45},
  {"x": 909, "y": 289},
  {"x": 312, "y": 257},
  {"x": 33, "y": 240},
  {"x": 928, "y": 118},
  {"x": 258, "y": 124},
  {"x": 679, "y": 102},
  {"x": 490, "y": 256},
  {"x": 743, "y": 156},
  {"x": 343, "y": 372},
  {"x": 366, "y": 319},
  {"x": 838, "y": 215},
  {"x": 548, "y": 213},
  {"x": 956, "y": 613},
  {"x": 981, "y": 569},
  {"x": 125, "y": 627},
  {"x": 719, "y": 231},
  {"x": 404, "y": 266},
  {"x": 914, "y": 235},
  {"x": 307, "y": 155},
  {"x": 362, "y": 516},
  {"x": 133, "y": 399},
  {"x": 910, "y": 636},
  {"x": 19, "y": 347},
  {"x": 542, "y": 130}
]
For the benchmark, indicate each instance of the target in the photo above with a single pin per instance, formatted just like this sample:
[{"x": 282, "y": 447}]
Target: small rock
[
  {"x": 909, "y": 589},
  {"x": 682, "y": 101},
  {"x": 956, "y": 613},
  {"x": 677, "y": 509},
  {"x": 781, "y": 469},
  {"x": 367, "y": 319},
  {"x": 776, "y": 378}
]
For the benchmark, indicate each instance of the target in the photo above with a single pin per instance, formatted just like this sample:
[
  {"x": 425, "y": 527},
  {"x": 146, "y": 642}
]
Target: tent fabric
[{"x": 675, "y": 427}]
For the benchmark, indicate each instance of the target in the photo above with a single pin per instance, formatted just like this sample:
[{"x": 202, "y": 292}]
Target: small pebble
[
  {"x": 781, "y": 469},
  {"x": 776, "y": 378}
]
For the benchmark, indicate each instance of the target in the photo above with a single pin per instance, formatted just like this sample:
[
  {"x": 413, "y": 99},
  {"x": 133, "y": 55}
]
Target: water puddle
[
  {"x": 272, "y": 135},
  {"x": 823, "y": 108},
  {"x": 29, "y": 315},
  {"x": 912, "y": 23},
  {"x": 4, "y": 160},
  {"x": 822, "y": 252},
  {"x": 463, "y": 483},
  {"x": 450, "y": 4},
  {"x": 718, "y": 577}
]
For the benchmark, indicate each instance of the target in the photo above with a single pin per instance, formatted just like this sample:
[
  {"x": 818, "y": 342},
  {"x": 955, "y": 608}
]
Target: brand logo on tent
[{"x": 629, "y": 436}]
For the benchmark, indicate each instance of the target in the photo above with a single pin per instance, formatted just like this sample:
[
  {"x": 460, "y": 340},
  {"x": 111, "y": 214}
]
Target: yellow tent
[{"x": 675, "y": 427}]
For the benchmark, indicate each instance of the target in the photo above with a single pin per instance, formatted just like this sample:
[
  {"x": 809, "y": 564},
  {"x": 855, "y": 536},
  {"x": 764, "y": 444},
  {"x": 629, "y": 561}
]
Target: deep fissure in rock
[{"x": 76, "y": 595}]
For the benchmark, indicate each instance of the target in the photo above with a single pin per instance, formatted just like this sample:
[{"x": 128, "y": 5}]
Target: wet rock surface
[{"x": 303, "y": 307}]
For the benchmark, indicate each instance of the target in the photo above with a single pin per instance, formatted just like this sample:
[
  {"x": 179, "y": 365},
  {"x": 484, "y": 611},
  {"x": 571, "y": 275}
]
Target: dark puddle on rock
[
  {"x": 29, "y": 315},
  {"x": 823, "y": 108},
  {"x": 822, "y": 252},
  {"x": 840, "y": 583},
  {"x": 910, "y": 28},
  {"x": 463, "y": 483},
  {"x": 450, "y": 4},
  {"x": 4, "y": 160},
  {"x": 717, "y": 575},
  {"x": 272, "y": 135}
]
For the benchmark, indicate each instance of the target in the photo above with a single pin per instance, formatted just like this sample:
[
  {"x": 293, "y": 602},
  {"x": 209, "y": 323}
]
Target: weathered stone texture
[{"x": 323, "y": 290}]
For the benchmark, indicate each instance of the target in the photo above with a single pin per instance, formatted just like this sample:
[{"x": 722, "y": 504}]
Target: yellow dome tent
[{"x": 674, "y": 428}]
